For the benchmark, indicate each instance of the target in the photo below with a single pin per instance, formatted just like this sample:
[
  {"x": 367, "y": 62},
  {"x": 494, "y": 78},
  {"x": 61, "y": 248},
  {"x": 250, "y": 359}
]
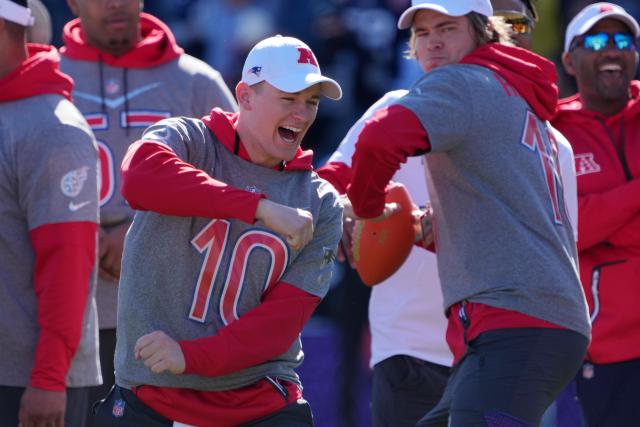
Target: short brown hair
[{"x": 492, "y": 29}]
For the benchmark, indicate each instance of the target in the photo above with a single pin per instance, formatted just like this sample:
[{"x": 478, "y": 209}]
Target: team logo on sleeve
[
  {"x": 72, "y": 182},
  {"x": 329, "y": 255},
  {"x": 586, "y": 164}
]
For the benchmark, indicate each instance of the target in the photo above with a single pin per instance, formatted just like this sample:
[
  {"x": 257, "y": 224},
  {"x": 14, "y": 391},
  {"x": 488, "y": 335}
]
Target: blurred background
[{"x": 357, "y": 43}]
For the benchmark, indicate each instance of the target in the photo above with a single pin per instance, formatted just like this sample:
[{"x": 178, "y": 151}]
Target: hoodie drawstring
[
  {"x": 618, "y": 145},
  {"x": 101, "y": 71},
  {"x": 125, "y": 78}
]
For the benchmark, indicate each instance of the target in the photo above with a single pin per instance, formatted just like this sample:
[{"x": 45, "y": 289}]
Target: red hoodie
[
  {"x": 156, "y": 47},
  {"x": 38, "y": 75},
  {"x": 607, "y": 155},
  {"x": 533, "y": 77}
]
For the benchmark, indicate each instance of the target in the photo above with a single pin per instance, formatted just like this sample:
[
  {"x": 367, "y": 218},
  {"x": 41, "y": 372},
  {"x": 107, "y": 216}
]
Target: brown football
[{"x": 380, "y": 247}]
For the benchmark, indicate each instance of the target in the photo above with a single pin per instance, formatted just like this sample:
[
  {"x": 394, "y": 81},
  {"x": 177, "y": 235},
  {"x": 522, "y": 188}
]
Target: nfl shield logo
[
  {"x": 118, "y": 408},
  {"x": 112, "y": 86}
]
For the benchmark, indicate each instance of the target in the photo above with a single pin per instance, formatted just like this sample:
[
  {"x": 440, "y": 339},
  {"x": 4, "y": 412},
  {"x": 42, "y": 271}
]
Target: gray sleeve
[
  {"x": 185, "y": 136},
  {"x": 58, "y": 173},
  {"x": 442, "y": 102},
  {"x": 312, "y": 269},
  {"x": 211, "y": 91}
]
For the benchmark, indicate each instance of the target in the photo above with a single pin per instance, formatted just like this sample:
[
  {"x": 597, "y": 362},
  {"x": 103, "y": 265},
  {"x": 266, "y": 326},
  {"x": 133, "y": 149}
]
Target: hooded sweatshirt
[
  {"x": 503, "y": 236},
  {"x": 607, "y": 155},
  {"x": 236, "y": 303},
  {"x": 121, "y": 96},
  {"x": 48, "y": 216}
]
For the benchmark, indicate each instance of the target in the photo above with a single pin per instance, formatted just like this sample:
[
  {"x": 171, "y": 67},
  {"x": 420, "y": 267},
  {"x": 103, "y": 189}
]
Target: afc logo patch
[
  {"x": 306, "y": 57},
  {"x": 586, "y": 164}
]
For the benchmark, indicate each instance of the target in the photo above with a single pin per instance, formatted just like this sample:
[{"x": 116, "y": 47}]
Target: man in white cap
[
  {"x": 48, "y": 230},
  {"x": 228, "y": 255},
  {"x": 517, "y": 318},
  {"x": 602, "y": 122}
]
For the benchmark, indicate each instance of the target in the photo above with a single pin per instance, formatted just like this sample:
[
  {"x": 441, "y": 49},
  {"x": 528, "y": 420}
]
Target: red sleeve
[
  {"x": 601, "y": 214},
  {"x": 65, "y": 255},
  {"x": 155, "y": 179},
  {"x": 263, "y": 333},
  {"x": 393, "y": 134},
  {"x": 338, "y": 174},
  {"x": 628, "y": 235}
]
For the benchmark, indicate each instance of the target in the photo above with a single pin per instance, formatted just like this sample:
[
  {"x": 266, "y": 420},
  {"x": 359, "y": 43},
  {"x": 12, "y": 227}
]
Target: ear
[
  {"x": 73, "y": 5},
  {"x": 567, "y": 62},
  {"x": 244, "y": 94}
]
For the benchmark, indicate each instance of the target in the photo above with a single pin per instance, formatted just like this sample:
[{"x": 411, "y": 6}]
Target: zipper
[
  {"x": 618, "y": 147},
  {"x": 595, "y": 286}
]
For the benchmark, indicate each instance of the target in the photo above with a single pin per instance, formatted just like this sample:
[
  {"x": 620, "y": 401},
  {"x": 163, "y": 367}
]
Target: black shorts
[
  {"x": 405, "y": 388},
  {"x": 508, "y": 377}
]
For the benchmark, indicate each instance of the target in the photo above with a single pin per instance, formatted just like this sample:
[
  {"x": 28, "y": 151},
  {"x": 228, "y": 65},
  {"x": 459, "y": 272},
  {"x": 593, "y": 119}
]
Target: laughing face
[
  {"x": 275, "y": 122},
  {"x": 603, "y": 76}
]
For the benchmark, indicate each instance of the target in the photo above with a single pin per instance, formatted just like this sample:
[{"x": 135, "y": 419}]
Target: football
[{"x": 380, "y": 247}]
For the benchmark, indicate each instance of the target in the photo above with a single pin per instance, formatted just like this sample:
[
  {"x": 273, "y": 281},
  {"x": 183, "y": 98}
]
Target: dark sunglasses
[
  {"x": 599, "y": 41},
  {"x": 520, "y": 24}
]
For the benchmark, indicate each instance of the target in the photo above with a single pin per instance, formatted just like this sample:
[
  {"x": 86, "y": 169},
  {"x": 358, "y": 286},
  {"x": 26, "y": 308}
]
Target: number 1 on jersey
[{"x": 532, "y": 139}]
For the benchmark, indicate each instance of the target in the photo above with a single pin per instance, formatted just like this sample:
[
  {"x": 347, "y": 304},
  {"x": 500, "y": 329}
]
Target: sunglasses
[
  {"x": 599, "y": 41},
  {"x": 520, "y": 24}
]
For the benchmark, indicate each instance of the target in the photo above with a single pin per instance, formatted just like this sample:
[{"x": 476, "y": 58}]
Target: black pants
[
  {"x": 121, "y": 408},
  {"x": 509, "y": 377},
  {"x": 75, "y": 415},
  {"x": 610, "y": 394},
  {"x": 107, "y": 351},
  {"x": 404, "y": 389}
]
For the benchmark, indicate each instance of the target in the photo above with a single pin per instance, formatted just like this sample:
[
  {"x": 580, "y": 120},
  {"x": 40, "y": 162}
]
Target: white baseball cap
[
  {"x": 592, "y": 14},
  {"x": 287, "y": 64},
  {"x": 447, "y": 7},
  {"x": 16, "y": 13}
]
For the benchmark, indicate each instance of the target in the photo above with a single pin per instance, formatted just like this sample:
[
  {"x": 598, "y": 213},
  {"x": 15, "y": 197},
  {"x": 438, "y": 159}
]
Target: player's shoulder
[
  {"x": 179, "y": 125},
  {"x": 54, "y": 118},
  {"x": 195, "y": 67},
  {"x": 325, "y": 191}
]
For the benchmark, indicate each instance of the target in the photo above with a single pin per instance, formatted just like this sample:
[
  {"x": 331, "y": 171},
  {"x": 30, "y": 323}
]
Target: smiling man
[
  {"x": 228, "y": 256},
  {"x": 602, "y": 122}
]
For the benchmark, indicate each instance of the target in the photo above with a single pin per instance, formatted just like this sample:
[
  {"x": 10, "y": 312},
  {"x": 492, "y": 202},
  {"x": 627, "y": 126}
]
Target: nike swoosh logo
[
  {"x": 76, "y": 206},
  {"x": 119, "y": 101}
]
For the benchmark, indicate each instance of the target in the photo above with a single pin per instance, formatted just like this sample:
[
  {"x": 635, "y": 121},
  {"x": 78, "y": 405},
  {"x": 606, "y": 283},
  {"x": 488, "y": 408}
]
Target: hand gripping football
[{"x": 380, "y": 247}]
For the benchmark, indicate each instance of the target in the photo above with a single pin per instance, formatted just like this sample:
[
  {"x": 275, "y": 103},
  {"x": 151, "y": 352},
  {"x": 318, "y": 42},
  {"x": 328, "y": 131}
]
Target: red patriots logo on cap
[
  {"x": 606, "y": 8},
  {"x": 306, "y": 57}
]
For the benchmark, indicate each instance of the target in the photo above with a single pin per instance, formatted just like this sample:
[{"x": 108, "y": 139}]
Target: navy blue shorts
[{"x": 508, "y": 377}]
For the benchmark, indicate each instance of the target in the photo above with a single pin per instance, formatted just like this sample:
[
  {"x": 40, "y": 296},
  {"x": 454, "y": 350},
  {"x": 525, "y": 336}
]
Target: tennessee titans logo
[
  {"x": 118, "y": 408},
  {"x": 72, "y": 182},
  {"x": 255, "y": 70}
]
